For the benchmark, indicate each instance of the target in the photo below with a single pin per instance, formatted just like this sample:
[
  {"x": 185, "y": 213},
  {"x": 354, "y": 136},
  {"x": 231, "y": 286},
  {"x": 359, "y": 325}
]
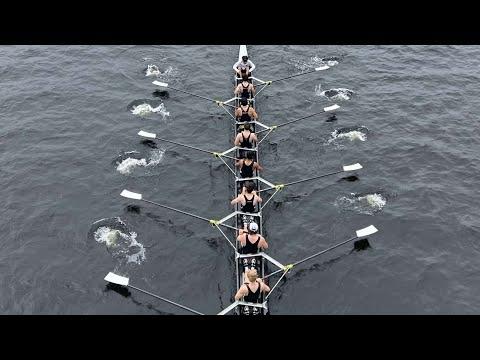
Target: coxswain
[{"x": 244, "y": 67}]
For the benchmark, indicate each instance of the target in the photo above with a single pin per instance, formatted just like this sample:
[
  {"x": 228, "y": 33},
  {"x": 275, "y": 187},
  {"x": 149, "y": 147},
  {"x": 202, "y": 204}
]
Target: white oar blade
[
  {"x": 353, "y": 167},
  {"x": 324, "y": 67},
  {"x": 159, "y": 83},
  {"x": 147, "y": 134},
  {"x": 331, "y": 108},
  {"x": 116, "y": 279},
  {"x": 131, "y": 195},
  {"x": 369, "y": 230}
]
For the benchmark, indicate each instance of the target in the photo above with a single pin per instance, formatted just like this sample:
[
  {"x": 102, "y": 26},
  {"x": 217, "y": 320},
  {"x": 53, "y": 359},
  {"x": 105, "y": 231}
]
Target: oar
[
  {"x": 136, "y": 196},
  {"x": 165, "y": 85},
  {"x": 124, "y": 281},
  {"x": 154, "y": 136},
  {"x": 324, "y": 67},
  {"x": 369, "y": 230},
  {"x": 325, "y": 109},
  {"x": 345, "y": 168}
]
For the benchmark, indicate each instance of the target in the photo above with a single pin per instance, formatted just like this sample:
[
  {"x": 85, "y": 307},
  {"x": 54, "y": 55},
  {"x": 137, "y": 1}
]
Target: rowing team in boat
[{"x": 251, "y": 242}]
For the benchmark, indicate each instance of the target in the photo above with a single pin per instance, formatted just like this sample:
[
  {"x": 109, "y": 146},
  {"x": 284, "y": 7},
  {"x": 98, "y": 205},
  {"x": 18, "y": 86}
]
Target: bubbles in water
[
  {"x": 127, "y": 165},
  {"x": 121, "y": 243},
  {"x": 350, "y": 134},
  {"x": 364, "y": 204},
  {"x": 146, "y": 109},
  {"x": 152, "y": 70},
  {"x": 314, "y": 62},
  {"x": 339, "y": 94}
]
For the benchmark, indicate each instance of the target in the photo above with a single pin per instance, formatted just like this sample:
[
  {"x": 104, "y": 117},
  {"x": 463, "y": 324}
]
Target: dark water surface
[{"x": 411, "y": 121}]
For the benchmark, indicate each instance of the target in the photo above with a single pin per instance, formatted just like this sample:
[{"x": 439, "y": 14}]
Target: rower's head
[
  {"x": 245, "y": 58},
  {"x": 249, "y": 186},
  {"x": 253, "y": 228},
  {"x": 249, "y": 155},
  {"x": 252, "y": 275},
  {"x": 246, "y": 126},
  {"x": 245, "y": 77},
  {"x": 244, "y": 101}
]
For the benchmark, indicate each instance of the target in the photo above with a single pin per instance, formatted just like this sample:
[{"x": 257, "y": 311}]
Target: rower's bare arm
[
  {"x": 237, "y": 90},
  {"x": 240, "y": 293},
  {"x": 254, "y": 114},
  {"x": 254, "y": 138},
  {"x": 265, "y": 287},
  {"x": 234, "y": 201},
  {"x": 252, "y": 89},
  {"x": 257, "y": 166},
  {"x": 263, "y": 244},
  {"x": 238, "y": 163},
  {"x": 237, "y": 140},
  {"x": 259, "y": 199}
]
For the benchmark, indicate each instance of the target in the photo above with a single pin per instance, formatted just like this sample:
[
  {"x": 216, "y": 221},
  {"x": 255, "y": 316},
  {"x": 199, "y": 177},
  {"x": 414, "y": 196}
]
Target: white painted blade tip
[
  {"x": 159, "y": 83},
  {"x": 147, "y": 134},
  {"x": 131, "y": 195},
  {"x": 353, "y": 167},
  {"x": 324, "y": 67},
  {"x": 331, "y": 108},
  {"x": 116, "y": 279},
  {"x": 369, "y": 230}
]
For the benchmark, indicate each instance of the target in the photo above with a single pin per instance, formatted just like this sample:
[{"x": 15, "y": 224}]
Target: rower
[
  {"x": 246, "y": 138},
  {"x": 252, "y": 289},
  {"x": 251, "y": 241},
  {"x": 245, "y": 112},
  {"x": 247, "y": 165},
  {"x": 248, "y": 198},
  {"x": 243, "y": 67},
  {"x": 245, "y": 88}
]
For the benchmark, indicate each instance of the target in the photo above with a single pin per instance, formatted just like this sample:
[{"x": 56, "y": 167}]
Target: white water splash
[
  {"x": 121, "y": 244},
  {"x": 145, "y": 109},
  {"x": 152, "y": 70},
  {"x": 312, "y": 63},
  {"x": 367, "y": 204},
  {"x": 351, "y": 135},
  {"x": 130, "y": 164},
  {"x": 338, "y": 94}
]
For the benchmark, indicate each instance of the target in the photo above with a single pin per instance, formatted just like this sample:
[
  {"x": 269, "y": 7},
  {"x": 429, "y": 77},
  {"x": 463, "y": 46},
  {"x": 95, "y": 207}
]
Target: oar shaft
[
  {"x": 199, "y": 96},
  {"x": 166, "y": 300},
  {"x": 292, "y": 76},
  {"x": 187, "y": 213},
  {"x": 324, "y": 251},
  {"x": 184, "y": 145},
  {"x": 304, "y": 180},
  {"x": 302, "y": 118},
  {"x": 312, "y": 178},
  {"x": 177, "y": 210},
  {"x": 192, "y": 147},
  {"x": 312, "y": 256}
]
